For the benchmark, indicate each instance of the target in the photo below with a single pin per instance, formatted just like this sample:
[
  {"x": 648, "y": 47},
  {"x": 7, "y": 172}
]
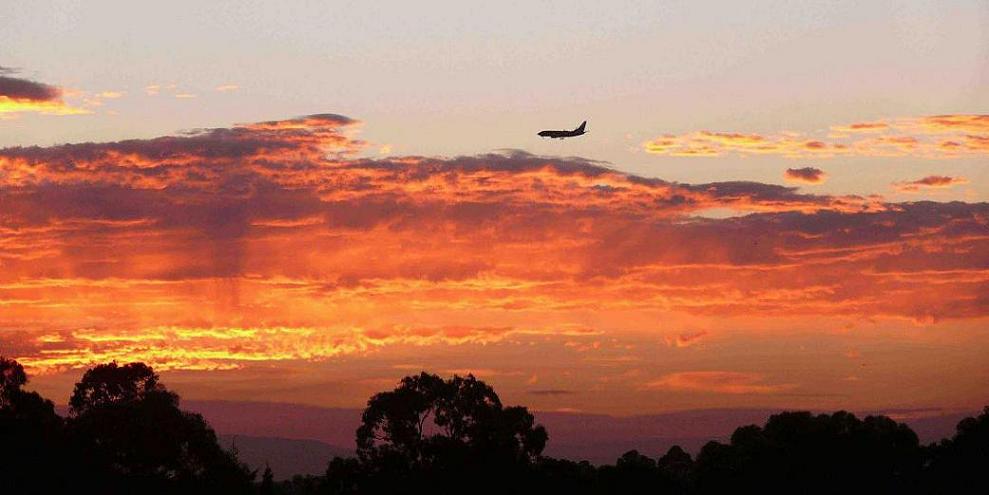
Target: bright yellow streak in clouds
[
  {"x": 232, "y": 252},
  {"x": 169, "y": 348},
  {"x": 226, "y": 88},
  {"x": 224, "y": 348},
  {"x": 50, "y": 107}
]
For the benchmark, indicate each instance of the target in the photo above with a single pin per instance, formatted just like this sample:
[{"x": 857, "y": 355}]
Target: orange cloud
[
  {"x": 708, "y": 143},
  {"x": 859, "y": 127},
  {"x": 686, "y": 339},
  {"x": 930, "y": 182},
  {"x": 967, "y": 124},
  {"x": 720, "y": 382},
  {"x": 941, "y": 136},
  {"x": 276, "y": 242}
]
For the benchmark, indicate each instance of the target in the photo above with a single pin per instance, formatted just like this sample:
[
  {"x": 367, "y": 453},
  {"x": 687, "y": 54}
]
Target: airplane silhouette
[{"x": 565, "y": 134}]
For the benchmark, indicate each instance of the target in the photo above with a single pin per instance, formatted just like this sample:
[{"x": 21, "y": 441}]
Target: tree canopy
[
  {"x": 125, "y": 434},
  {"x": 135, "y": 435},
  {"x": 111, "y": 384},
  {"x": 440, "y": 429}
]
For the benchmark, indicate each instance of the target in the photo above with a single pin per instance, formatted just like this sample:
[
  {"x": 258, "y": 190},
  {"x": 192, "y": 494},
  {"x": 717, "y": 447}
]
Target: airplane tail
[{"x": 581, "y": 127}]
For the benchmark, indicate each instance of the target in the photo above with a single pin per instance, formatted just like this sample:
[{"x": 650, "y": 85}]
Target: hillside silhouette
[{"x": 126, "y": 433}]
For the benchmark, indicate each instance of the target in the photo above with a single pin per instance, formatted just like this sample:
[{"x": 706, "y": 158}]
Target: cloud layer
[{"x": 274, "y": 241}]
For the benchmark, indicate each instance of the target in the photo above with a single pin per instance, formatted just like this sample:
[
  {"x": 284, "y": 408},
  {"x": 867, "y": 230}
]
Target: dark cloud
[
  {"x": 809, "y": 175},
  {"x": 24, "y": 89}
]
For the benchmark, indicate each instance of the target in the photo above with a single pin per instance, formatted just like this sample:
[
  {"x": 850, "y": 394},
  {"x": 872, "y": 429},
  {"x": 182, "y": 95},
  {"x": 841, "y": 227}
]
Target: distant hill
[
  {"x": 597, "y": 438},
  {"x": 287, "y": 457},
  {"x": 333, "y": 426}
]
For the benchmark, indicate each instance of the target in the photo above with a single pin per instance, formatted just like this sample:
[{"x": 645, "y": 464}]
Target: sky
[{"x": 781, "y": 204}]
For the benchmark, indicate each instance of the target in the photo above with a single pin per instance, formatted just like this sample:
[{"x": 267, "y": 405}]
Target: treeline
[{"x": 125, "y": 434}]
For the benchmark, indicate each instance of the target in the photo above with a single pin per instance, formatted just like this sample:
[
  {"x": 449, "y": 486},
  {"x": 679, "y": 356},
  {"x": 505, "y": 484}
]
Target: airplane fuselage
[
  {"x": 560, "y": 134},
  {"x": 579, "y": 131}
]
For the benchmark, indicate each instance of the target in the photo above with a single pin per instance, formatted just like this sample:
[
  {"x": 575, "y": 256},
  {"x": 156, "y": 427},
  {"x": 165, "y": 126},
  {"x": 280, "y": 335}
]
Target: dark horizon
[{"x": 134, "y": 436}]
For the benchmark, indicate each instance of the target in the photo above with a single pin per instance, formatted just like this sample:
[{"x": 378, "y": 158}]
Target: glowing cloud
[
  {"x": 930, "y": 182},
  {"x": 941, "y": 136},
  {"x": 860, "y": 127},
  {"x": 23, "y": 95},
  {"x": 969, "y": 124},
  {"x": 721, "y": 382},
  {"x": 275, "y": 242}
]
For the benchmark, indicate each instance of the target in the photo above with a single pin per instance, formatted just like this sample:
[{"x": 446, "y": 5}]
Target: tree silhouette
[
  {"x": 267, "y": 486},
  {"x": 797, "y": 451},
  {"x": 564, "y": 476},
  {"x": 111, "y": 384},
  {"x": 32, "y": 454},
  {"x": 960, "y": 464},
  {"x": 12, "y": 378},
  {"x": 136, "y": 439},
  {"x": 443, "y": 429},
  {"x": 344, "y": 476},
  {"x": 466, "y": 414},
  {"x": 676, "y": 469},
  {"x": 633, "y": 473}
]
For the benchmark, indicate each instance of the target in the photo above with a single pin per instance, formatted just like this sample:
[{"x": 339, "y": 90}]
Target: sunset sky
[{"x": 781, "y": 205}]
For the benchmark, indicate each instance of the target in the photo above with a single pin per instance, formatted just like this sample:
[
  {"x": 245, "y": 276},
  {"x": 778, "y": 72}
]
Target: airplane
[{"x": 565, "y": 134}]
